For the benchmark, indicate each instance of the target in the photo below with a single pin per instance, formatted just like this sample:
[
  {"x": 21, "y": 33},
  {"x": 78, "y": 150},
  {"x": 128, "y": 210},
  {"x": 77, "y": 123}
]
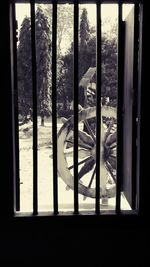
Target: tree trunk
[{"x": 42, "y": 120}]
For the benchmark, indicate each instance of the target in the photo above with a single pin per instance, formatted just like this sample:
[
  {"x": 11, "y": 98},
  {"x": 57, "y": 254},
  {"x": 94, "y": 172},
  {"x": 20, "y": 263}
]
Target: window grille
[{"x": 120, "y": 101}]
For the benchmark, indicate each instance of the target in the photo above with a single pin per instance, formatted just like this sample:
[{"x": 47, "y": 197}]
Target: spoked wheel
[{"x": 86, "y": 156}]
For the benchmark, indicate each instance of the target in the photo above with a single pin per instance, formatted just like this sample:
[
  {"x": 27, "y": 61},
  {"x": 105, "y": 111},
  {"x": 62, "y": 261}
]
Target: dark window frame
[{"x": 7, "y": 186}]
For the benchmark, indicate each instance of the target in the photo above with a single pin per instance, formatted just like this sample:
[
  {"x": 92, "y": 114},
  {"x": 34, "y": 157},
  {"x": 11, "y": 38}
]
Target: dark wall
[{"x": 68, "y": 239}]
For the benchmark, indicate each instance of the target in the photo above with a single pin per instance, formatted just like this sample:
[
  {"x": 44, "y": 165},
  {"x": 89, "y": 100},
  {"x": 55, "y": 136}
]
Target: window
[{"x": 76, "y": 107}]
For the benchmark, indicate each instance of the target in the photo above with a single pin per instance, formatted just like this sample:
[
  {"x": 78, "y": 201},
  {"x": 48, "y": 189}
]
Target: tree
[
  {"x": 65, "y": 88},
  {"x": 65, "y": 79},
  {"x": 84, "y": 39},
  {"x": 84, "y": 29},
  {"x": 24, "y": 65},
  {"x": 43, "y": 60},
  {"x": 64, "y": 25},
  {"x": 64, "y": 39},
  {"x": 87, "y": 58},
  {"x": 109, "y": 60},
  {"x": 43, "y": 57}
]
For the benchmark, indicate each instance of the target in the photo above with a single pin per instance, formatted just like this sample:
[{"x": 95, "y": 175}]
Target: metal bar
[
  {"x": 143, "y": 116},
  {"x": 98, "y": 106},
  {"x": 16, "y": 128},
  {"x": 119, "y": 109},
  {"x": 139, "y": 143},
  {"x": 54, "y": 105},
  {"x": 76, "y": 26},
  {"x": 34, "y": 95},
  {"x": 134, "y": 111}
]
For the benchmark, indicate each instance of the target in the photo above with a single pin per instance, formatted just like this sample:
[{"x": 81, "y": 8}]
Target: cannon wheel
[{"x": 87, "y": 154}]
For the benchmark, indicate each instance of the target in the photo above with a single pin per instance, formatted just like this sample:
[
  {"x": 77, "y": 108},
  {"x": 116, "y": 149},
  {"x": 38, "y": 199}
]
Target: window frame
[{"x": 7, "y": 187}]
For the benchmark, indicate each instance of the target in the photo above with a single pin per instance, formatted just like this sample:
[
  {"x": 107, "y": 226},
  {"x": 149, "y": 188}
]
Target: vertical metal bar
[
  {"x": 7, "y": 118},
  {"x": 34, "y": 95},
  {"x": 143, "y": 135},
  {"x": 135, "y": 97},
  {"x": 76, "y": 26},
  {"x": 119, "y": 108},
  {"x": 139, "y": 107},
  {"x": 54, "y": 105},
  {"x": 98, "y": 106},
  {"x": 16, "y": 126}
]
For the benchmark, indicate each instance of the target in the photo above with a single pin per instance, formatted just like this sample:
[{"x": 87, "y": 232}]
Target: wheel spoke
[
  {"x": 82, "y": 153},
  {"x": 90, "y": 131},
  {"x": 112, "y": 163},
  {"x": 80, "y": 144},
  {"x": 112, "y": 156},
  {"x": 69, "y": 142},
  {"x": 86, "y": 138},
  {"x": 83, "y": 145},
  {"x": 90, "y": 183},
  {"x": 88, "y": 166},
  {"x": 110, "y": 138},
  {"x": 83, "y": 137},
  {"x": 113, "y": 146},
  {"x": 113, "y": 153},
  {"x": 81, "y": 162},
  {"x": 110, "y": 170}
]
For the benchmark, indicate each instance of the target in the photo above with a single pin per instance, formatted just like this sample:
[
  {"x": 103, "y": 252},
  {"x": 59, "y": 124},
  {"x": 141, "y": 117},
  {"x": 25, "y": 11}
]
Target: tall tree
[
  {"x": 109, "y": 60},
  {"x": 64, "y": 39},
  {"x": 84, "y": 39},
  {"x": 64, "y": 26},
  {"x": 43, "y": 60},
  {"x": 65, "y": 79},
  {"x": 84, "y": 29},
  {"x": 24, "y": 62}
]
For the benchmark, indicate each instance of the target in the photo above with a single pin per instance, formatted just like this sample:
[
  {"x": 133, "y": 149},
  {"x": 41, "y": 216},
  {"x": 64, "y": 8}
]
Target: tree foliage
[
  {"x": 64, "y": 25},
  {"x": 87, "y": 58},
  {"x": 65, "y": 72},
  {"x": 43, "y": 65},
  {"x": 84, "y": 40},
  {"x": 43, "y": 59},
  {"x": 109, "y": 60},
  {"x": 24, "y": 67}
]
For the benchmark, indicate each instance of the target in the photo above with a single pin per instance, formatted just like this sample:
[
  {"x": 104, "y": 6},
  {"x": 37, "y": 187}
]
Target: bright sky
[{"x": 108, "y": 10}]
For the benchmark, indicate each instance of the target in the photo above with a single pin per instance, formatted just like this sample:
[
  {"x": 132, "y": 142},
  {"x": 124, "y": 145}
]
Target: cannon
[{"x": 87, "y": 144}]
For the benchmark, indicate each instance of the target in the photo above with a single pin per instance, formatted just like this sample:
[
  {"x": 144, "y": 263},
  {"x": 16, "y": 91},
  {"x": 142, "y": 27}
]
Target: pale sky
[{"x": 108, "y": 10}]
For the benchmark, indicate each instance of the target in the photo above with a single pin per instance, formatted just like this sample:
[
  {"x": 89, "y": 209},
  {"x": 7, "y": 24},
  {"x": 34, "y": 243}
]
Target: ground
[{"x": 45, "y": 174}]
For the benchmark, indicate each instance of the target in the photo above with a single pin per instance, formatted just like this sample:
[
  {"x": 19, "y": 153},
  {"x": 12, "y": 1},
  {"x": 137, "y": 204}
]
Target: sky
[{"x": 108, "y": 10}]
